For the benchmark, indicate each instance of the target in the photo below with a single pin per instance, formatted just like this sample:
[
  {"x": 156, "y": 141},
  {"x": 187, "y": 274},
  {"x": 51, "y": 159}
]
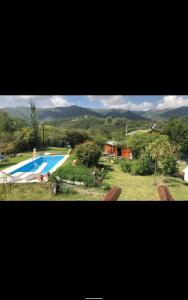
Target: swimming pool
[{"x": 51, "y": 163}]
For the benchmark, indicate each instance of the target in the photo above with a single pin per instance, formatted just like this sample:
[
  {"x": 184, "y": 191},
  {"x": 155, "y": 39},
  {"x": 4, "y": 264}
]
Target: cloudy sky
[{"x": 125, "y": 102}]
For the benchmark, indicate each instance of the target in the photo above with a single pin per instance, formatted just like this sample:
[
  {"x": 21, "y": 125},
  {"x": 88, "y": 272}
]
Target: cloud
[
  {"x": 144, "y": 106},
  {"x": 120, "y": 102},
  {"x": 59, "y": 101},
  {"x": 40, "y": 101},
  {"x": 108, "y": 101},
  {"x": 173, "y": 102}
]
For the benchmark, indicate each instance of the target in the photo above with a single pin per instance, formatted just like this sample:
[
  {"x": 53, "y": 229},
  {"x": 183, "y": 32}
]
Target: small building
[{"x": 113, "y": 148}]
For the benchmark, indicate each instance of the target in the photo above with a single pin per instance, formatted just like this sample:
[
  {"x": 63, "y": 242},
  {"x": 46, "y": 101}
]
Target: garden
[{"x": 158, "y": 157}]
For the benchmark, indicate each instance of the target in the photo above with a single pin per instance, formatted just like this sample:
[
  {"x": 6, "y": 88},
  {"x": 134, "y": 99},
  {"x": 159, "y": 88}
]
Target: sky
[{"x": 133, "y": 103}]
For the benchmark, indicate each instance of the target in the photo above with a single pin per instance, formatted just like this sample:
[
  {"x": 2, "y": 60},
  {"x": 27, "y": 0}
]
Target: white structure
[{"x": 186, "y": 174}]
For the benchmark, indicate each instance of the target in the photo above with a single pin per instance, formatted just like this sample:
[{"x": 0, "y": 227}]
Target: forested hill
[{"x": 50, "y": 114}]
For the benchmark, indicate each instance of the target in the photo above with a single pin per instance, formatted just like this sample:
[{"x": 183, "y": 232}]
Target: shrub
[
  {"x": 141, "y": 166},
  {"x": 139, "y": 141},
  {"x": 126, "y": 165},
  {"x": 106, "y": 186},
  {"x": 116, "y": 160},
  {"x": 80, "y": 173},
  {"x": 88, "y": 154},
  {"x": 74, "y": 137},
  {"x": 168, "y": 165}
]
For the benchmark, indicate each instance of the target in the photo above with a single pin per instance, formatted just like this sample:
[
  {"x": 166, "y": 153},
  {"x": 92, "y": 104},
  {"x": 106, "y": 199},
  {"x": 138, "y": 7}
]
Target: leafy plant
[
  {"x": 34, "y": 122},
  {"x": 106, "y": 186},
  {"x": 126, "y": 165},
  {"x": 141, "y": 166},
  {"x": 116, "y": 160},
  {"x": 168, "y": 165},
  {"x": 74, "y": 137},
  {"x": 88, "y": 154}
]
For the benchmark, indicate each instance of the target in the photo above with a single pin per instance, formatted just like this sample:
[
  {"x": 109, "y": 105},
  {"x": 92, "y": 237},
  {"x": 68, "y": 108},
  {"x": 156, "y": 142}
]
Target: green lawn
[
  {"x": 144, "y": 187},
  {"x": 133, "y": 187},
  {"x": 41, "y": 191}
]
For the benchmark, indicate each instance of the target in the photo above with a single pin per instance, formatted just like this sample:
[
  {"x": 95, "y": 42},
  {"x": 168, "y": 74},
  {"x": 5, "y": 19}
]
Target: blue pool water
[{"x": 36, "y": 163}]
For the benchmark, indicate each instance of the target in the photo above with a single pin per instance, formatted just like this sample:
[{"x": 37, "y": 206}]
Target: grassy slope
[
  {"x": 36, "y": 191},
  {"x": 144, "y": 187},
  {"x": 133, "y": 187}
]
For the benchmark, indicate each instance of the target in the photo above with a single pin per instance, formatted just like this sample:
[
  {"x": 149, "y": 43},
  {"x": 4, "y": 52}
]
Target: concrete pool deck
[{"x": 26, "y": 174}]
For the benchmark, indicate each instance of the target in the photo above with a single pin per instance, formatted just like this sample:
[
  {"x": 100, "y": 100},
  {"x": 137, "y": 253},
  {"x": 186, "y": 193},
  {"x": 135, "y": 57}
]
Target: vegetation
[
  {"x": 136, "y": 187},
  {"x": 73, "y": 137},
  {"x": 139, "y": 142},
  {"x": 155, "y": 155},
  {"x": 177, "y": 130},
  {"x": 126, "y": 165},
  {"x": 168, "y": 165},
  {"x": 90, "y": 177},
  {"x": 34, "y": 124},
  {"x": 133, "y": 187},
  {"x": 5, "y": 189},
  {"x": 141, "y": 166},
  {"x": 88, "y": 154}
]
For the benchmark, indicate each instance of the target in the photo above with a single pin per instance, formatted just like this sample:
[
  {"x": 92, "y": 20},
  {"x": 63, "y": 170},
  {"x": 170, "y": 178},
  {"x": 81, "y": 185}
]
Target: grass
[
  {"x": 133, "y": 187},
  {"x": 42, "y": 191},
  {"x": 144, "y": 187}
]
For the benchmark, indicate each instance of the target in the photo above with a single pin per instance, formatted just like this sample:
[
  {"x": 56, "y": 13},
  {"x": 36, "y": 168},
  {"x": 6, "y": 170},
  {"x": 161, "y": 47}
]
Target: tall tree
[
  {"x": 34, "y": 122},
  {"x": 177, "y": 130},
  {"x": 43, "y": 131}
]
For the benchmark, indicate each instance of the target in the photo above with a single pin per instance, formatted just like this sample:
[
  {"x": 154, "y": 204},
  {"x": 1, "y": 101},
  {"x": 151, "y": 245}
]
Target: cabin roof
[{"x": 111, "y": 143}]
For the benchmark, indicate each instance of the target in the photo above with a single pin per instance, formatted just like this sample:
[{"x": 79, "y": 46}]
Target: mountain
[
  {"x": 18, "y": 112},
  {"x": 178, "y": 112},
  {"x": 120, "y": 113},
  {"x": 125, "y": 114},
  {"x": 65, "y": 112},
  {"x": 49, "y": 114},
  {"x": 165, "y": 113},
  {"x": 153, "y": 114}
]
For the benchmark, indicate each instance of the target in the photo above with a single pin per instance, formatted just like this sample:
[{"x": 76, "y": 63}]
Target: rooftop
[{"x": 112, "y": 143}]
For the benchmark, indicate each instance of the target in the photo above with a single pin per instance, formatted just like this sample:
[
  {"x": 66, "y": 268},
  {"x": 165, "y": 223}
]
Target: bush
[
  {"x": 106, "y": 186},
  {"x": 116, "y": 160},
  {"x": 80, "y": 173},
  {"x": 168, "y": 165},
  {"x": 88, "y": 154},
  {"x": 74, "y": 137},
  {"x": 141, "y": 166},
  {"x": 139, "y": 142},
  {"x": 126, "y": 165}
]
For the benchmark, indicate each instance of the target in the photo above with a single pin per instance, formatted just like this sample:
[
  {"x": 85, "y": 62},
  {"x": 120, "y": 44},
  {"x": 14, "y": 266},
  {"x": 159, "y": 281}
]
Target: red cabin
[{"x": 112, "y": 148}]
